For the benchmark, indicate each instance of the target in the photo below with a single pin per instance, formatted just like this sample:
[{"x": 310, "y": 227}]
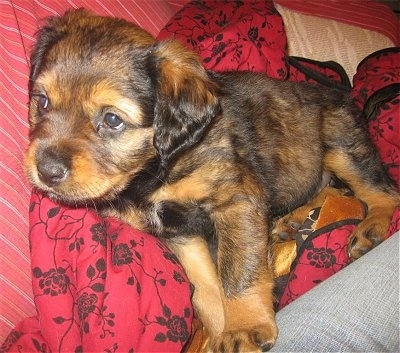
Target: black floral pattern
[
  {"x": 99, "y": 234},
  {"x": 115, "y": 280},
  {"x": 53, "y": 282},
  {"x": 122, "y": 255},
  {"x": 321, "y": 254},
  {"x": 227, "y": 33},
  {"x": 253, "y": 34},
  {"x": 177, "y": 328},
  {"x": 11, "y": 339},
  {"x": 86, "y": 305},
  {"x": 321, "y": 257}
]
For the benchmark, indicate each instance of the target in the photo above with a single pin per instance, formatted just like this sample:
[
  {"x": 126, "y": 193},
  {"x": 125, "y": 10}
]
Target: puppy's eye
[
  {"x": 113, "y": 121},
  {"x": 43, "y": 102}
]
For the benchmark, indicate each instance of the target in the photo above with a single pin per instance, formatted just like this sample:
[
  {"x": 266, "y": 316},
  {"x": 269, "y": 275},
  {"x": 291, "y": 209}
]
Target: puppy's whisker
[
  {"x": 94, "y": 206},
  {"x": 154, "y": 175}
]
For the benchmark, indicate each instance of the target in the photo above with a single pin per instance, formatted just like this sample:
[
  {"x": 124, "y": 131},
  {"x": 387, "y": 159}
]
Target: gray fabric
[{"x": 356, "y": 310}]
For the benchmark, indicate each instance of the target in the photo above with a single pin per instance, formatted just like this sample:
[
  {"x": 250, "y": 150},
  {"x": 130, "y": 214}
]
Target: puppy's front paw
[{"x": 256, "y": 340}]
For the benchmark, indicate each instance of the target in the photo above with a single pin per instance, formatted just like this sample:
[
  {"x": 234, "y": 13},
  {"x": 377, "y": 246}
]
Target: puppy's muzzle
[{"x": 53, "y": 168}]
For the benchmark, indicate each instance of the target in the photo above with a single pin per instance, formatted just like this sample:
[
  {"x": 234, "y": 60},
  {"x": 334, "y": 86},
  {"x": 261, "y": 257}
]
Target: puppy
[{"x": 206, "y": 161}]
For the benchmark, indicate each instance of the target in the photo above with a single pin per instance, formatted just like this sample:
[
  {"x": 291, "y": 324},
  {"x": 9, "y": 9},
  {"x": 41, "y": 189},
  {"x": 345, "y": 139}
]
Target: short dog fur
[{"x": 204, "y": 160}]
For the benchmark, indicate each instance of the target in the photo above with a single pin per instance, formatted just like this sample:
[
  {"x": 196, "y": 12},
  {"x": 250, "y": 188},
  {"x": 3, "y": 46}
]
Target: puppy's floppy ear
[
  {"x": 46, "y": 38},
  {"x": 55, "y": 29},
  {"x": 186, "y": 99}
]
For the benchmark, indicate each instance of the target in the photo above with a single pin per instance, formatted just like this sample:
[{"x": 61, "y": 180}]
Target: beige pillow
[{"x": 325, "y": 39}]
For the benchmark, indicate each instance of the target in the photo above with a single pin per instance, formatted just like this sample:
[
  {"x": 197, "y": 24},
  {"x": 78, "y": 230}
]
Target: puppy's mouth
[
  {"x": 74, "y": 180},
  {"x": 59, "y": 184}
]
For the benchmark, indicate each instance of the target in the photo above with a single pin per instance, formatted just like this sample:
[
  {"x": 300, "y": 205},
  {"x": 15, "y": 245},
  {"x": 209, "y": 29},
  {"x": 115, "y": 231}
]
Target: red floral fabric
[
  {"x": 377, "y": 92},
  {"x": 232, "y": 35},
  {"x": 100, "y": 286},
  {"x": 321, "y": 254}
]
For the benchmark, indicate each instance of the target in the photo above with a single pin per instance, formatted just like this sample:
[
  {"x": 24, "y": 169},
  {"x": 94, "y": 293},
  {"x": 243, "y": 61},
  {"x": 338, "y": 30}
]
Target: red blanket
[{"x": 100, "y": 286}]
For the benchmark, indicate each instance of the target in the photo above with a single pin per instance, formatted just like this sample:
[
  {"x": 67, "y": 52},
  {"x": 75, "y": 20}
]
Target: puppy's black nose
[{"x": 52, "y": 168}]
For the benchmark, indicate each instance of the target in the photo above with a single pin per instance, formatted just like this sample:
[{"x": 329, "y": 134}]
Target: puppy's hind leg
[{"x": 357, "y": 164}]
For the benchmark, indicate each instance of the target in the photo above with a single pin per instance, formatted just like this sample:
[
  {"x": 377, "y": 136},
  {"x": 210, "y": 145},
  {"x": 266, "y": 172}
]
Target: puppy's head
[{"x": 106, "y": 99}]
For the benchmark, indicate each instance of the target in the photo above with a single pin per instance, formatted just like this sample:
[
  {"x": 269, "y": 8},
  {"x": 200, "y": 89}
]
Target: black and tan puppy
[{"x": 202, "y": 160}]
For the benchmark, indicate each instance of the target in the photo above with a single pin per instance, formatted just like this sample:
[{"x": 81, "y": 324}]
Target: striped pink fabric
[
  {"x": 19, "y": 22},
  {"x": 177, "y": 4},
  {"x": 15, "y": 284},
  {"x": 363, "y": 13}
]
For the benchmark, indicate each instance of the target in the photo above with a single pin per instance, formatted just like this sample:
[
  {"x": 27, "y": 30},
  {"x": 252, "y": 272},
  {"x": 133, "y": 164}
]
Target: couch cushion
[{"x": 323, "y": 31}]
